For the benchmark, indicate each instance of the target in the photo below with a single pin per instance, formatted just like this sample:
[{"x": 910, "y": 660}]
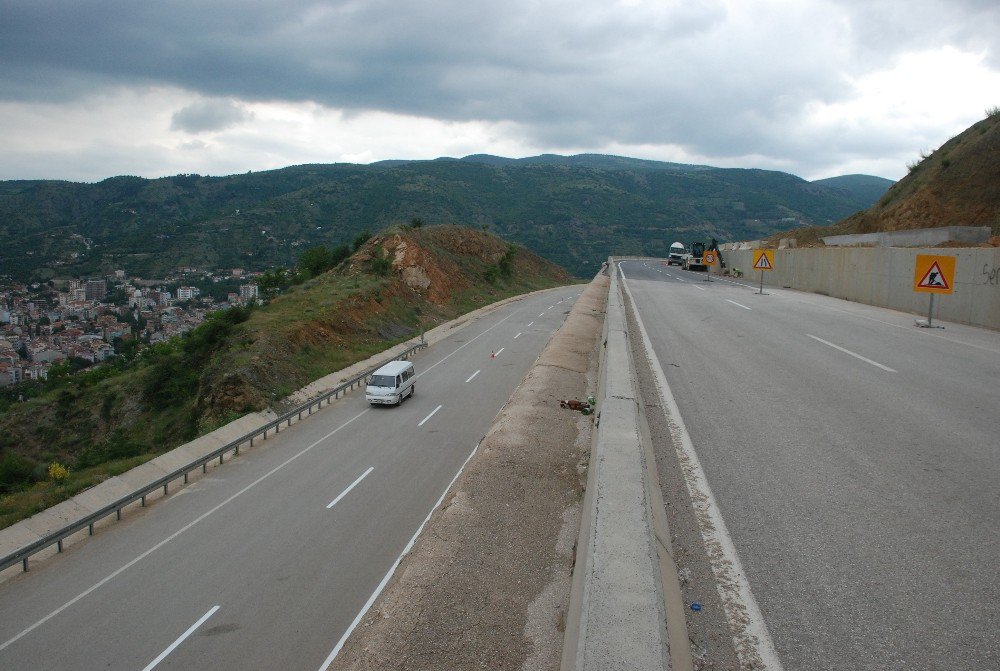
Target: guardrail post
[
  {"x": 143, "y": 504},
  {"x": 185, "y": 478},
  {"x": 165, "y": 485},
  {"x": 90, "y": 528},
  {"x": 119, "y": 514},
  {"x": 24, "y": 564},
  {"x": 59, "y": 545}
]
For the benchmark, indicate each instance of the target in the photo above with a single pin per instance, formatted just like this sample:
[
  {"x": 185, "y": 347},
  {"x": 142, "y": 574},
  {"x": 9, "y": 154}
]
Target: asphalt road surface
[
  {"x": 266, "y": 562},
  {"x": 855, "y": 460}
]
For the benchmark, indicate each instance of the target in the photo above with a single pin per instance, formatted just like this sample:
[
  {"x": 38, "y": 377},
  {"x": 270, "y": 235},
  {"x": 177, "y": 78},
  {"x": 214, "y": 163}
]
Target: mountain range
[{"x": 573, "y": 210}]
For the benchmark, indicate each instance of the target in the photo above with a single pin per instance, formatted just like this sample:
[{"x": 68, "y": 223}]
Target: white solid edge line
[
  {"x": 352, "y": 486},
  {"x": 180, "y": 640},
  {"x": 174, "y": 535},
  {"x": 392, "y": 569},
  {"x": 429, "y": 416},
  {"x": 752, "y": 639},
  {"x": 739, "y": 304},
  {"x": 854, "y": 354},
  {"x": 472, "y": 376}
]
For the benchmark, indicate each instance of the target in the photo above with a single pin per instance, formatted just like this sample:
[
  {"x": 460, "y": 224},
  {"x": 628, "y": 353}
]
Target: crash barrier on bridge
[
  {"x": 618, "y": 616},
  {"x": 883, "y": 276},
  {"x": 87, "y": 521}
]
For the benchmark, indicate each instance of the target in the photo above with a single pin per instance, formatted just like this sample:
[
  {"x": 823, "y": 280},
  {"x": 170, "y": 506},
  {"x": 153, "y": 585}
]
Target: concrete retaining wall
[
  {"x": 883, "y": 276},
  {"x": 921, "y": 237}
]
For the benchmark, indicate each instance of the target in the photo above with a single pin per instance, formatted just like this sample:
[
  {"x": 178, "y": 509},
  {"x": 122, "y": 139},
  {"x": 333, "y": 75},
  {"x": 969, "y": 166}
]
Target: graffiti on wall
[{"x": 991, "y": 274}]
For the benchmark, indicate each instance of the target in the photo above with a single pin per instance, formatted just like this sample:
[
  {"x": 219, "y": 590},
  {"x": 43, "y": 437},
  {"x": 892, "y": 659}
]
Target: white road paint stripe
[
  {"x": 497, "y": 353},
  {"x": 174, "y": 535},
  {"x": 429, "y": 416},
  {"x": 463, "y": 346},
  {"x": 698, "y": 288},
  {"x": 541, "y": 314},
  {"x": 517, "y": 336},
  {"x": 754, "y": 646},
  {"x": 854, "y": 354},
  {"x": 530, "y": 323},
  {"x": 191, "y": 630},
  {"x": 739, "y": 304},
  {"x": 681, "y": 279},
  {"x": 472, "y": 376},
  {"x": 353, "y": 485},
  {"x": 392, "y": 569}
]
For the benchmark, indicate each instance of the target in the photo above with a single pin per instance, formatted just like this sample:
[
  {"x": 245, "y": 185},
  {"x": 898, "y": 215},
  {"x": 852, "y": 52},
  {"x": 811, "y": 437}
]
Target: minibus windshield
[{"x": 382, "y": 381}]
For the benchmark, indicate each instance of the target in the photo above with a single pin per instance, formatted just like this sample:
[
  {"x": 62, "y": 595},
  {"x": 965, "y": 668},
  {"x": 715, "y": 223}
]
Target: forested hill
[{"x": 574, "y": 211}]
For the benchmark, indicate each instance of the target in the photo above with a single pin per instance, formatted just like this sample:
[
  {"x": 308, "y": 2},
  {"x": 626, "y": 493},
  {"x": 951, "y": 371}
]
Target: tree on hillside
[{"x": 315, "y": 260}]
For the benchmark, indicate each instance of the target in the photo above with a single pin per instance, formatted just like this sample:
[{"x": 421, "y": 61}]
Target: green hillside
[
  {"x": 110, "y": 418},
  {"x": 574, "y": 211}
]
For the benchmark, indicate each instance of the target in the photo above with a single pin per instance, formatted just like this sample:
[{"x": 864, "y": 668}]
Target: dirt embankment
[{"x": 487, "y": 584}]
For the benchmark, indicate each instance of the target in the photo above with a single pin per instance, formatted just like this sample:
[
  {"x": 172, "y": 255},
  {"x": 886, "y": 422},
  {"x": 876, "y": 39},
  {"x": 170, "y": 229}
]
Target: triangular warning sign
[
  {"x": 762, "y": 263},
  {"x": 933, "y": 278}
]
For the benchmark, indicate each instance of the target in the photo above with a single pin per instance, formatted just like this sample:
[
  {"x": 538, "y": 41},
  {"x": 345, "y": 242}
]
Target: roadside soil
[{"x": 487, "y": 584}]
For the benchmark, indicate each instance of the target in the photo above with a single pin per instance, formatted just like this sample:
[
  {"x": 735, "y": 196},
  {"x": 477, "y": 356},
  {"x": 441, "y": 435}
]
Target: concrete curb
[
  {"x": 618, "y": 615},
  {"x": 28, "y": 531}
]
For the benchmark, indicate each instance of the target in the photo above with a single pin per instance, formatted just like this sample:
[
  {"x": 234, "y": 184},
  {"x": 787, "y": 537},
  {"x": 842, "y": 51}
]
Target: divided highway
[
  {"x": 855, "y": 460},
  {"x": 266, "y": 562}
]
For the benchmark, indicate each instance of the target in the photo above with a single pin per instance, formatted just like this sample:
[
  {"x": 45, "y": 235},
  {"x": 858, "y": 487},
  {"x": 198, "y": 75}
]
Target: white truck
[{"x": 677, "y": 255}]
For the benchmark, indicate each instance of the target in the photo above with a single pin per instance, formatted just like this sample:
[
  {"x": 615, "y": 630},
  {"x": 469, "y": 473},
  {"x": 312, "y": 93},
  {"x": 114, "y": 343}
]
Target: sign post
[
  {"x": 933, "y": 274},
  {"x": 709, "y": 260},
  {"x": 763, "y": 259}
]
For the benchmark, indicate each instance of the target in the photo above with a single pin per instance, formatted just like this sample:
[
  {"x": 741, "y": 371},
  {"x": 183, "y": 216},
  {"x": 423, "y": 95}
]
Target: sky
[{"x": 91, "y": 89}]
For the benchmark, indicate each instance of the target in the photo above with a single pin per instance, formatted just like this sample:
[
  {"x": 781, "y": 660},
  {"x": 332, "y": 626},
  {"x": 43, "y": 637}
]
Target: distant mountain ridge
[{"x": 573, "y": 210}]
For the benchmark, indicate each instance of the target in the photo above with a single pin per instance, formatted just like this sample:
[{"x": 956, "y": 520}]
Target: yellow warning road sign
[
  {"x": 934, "y": 274},
  {"x": 763, "y": 259},
  {"x": 708, "y": 258}
]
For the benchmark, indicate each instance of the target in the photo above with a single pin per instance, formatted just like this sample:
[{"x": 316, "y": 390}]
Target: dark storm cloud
[{"x": 716, "y": 78}]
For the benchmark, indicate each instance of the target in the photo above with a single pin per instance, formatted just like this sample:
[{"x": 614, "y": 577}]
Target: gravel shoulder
[{"x": 487, "y": 584}]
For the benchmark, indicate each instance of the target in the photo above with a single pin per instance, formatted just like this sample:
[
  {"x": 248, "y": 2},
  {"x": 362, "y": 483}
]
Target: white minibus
[{"x": 391, "y": 383}]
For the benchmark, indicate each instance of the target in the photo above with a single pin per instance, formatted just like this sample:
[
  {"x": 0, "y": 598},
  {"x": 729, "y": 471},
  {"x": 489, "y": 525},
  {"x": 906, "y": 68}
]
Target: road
[
  {"x": 267, "y": 561},
  {"x": 855, "y": 460}
]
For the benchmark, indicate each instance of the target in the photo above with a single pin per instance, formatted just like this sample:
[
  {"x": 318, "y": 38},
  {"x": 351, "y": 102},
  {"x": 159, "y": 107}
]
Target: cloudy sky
[{"x": 95, "y": 88}]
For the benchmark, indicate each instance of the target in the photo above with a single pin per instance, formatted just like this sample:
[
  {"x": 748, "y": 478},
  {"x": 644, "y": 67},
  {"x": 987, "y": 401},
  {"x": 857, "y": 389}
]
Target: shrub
[
  {"x": 15, "y": 472},
  {"x": 57, "y": 471},
  {"x": 381, "y": 266},
  {"x": 360, "y": 239}
]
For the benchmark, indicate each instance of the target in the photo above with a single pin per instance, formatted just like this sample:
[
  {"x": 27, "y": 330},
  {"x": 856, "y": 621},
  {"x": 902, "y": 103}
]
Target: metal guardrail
[{"x": 57, "y": 537}]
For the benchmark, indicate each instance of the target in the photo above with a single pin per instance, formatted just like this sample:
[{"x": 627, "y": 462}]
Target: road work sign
[
  {"x": 708, "y": 259},
  {"x": 763, "y": 259},
  {"x": 934, "y": 274}
]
